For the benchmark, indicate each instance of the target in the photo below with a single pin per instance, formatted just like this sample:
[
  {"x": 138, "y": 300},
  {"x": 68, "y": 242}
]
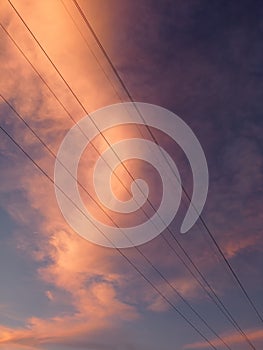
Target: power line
[
  {"x": 91, "y": 51},
  {"x": 217, "y": 301},
  {"x": 214, "y": 297},
  {"x": 221, "y": 305},
  {"x": 92, "y": 198},
  {"x": 59, "y": 102},
  {"x": 85, "y": 110},
  {"x": 119, "y": 250},
  {"x": 230, "y": 318},
  {"x": 84, "y": 17}
]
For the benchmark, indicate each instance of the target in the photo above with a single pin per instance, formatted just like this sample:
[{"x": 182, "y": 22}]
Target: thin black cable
[
  {"x": 92, "y": 198},
  {"x": 59, "y": 101},
  {"x": 239, "y": 329},
  {"x": 66, "y": 83},
  {"x": 85, "y": 110},
  {"x": 103, "y": 50},
  {"x": 252, "y": 304},
  {"x": 43, "y": 80},
  {"x": 218, "y": 301},
  {"x": 104, "y": 71},
  {"x": 119, "y": 250},
  {"x": 69, "y": 87},
  {"x": 91, "y": 51},
  {"x": 214, "y": 297},
  {"x": 80, "y": 103},
  {"x": 228, "y": 315}
]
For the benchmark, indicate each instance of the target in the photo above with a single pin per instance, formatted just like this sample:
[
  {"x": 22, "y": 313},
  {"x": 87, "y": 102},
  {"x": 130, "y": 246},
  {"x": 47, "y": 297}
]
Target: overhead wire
[
  {"x": 59, "y": 102},
  {"x": 73, "y": 93},
  {"x": 44, "y": 144},
  {"x": 215, "y": 299},
  {"x": 92, "y": 52},
  {"x": 112, "y": 243},
  {"x": 64, "y": 108},
  {"x": 234, "y": 274},
  {"x": 86, "y": 111}
]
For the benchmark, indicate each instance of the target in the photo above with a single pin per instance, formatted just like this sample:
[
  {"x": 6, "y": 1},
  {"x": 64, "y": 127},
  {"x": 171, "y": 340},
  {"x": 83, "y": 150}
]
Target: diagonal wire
[
  {"x": 118, "y": 249},
  {"x": 92, "y": 52},
  {"x": 234, "y": 274},
  {"x": 213, "y": 296},
  {"x": 85, "y": 110},
  {"x": 92, "y": 198},
  {"x": 230, "y": 318}
]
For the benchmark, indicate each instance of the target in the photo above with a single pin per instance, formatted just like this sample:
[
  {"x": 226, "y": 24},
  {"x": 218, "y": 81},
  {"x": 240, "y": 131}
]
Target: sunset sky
[{"x": 200, "y": 59}]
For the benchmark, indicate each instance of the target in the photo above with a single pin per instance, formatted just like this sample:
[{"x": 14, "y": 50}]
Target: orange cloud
[
  {"x": 82, "y": 270},
  {"x": 230, "y": 339}
]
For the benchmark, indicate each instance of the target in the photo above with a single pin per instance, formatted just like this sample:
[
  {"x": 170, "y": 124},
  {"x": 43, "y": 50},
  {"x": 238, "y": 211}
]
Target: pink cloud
[
  {"x": 90, "y": 275},
  {"x": 230, "y": 339}
]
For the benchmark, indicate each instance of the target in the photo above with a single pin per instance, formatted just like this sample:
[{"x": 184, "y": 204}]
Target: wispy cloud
[{"x": 230, "y": 339}]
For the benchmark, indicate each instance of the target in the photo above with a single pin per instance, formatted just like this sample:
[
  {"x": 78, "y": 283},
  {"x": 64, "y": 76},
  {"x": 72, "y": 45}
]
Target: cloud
[
  {"x": 66, "y": 262},
  {"x": 230, "y": 339},
  {"x": 92, "y": 283}
]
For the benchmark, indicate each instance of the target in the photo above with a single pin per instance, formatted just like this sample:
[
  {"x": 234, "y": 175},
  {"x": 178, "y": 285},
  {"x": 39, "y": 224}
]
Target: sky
[{"x": 200, "y": 59}]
